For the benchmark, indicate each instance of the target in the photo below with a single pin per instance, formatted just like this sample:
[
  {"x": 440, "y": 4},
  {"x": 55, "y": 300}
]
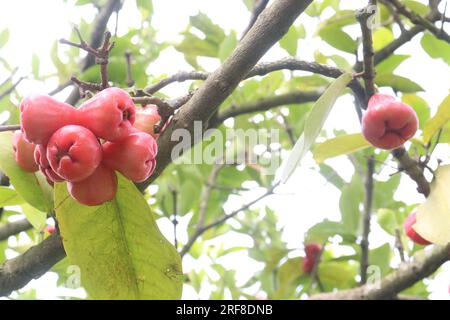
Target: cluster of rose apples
[{"x": 85, "y": 146}]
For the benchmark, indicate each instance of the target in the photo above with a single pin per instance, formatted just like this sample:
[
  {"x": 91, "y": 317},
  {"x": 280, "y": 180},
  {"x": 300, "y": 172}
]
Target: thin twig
[
  {"x": 399, "y": 245},
  {"x": 418, "y": 19},
  {"x": 129, "y": 81},
  {"x": 12, "y": 88},
  {"x": 366, "y": 219},
  {"x": 219, "y": 221},
  {"x": 175, "y": 220},
  {"x": 11, "y": 127},
  {"x": 14, "y": 228}
]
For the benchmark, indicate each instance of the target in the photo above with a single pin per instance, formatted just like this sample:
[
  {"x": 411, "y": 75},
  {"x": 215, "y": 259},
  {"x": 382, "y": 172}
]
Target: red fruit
[
  {"x": 387, "y": 123},
  {"x": 24, "y": 153},
  {"x": 110, "y": 114},
  {"x": 133, "y": 156},
  {"x": 40, "y": 156},
  {"x": 74, "y": 153},
  {"x": 98, "y": 188},
  {"x": 312, "y": 250},
  {"x": 42, "y": 115},
  {"x": 146, "y": 118},
  {"x": 408, "y": 226},
  {"x": 50, "y": 229}
]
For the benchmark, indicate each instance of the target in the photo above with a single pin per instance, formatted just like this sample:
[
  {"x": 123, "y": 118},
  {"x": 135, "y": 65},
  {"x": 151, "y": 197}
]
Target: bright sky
[{"x": 35, "y": 25}]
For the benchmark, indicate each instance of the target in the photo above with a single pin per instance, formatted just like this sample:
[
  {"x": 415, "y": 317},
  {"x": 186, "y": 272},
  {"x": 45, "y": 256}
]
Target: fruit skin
[
  {"x": 96, "y": 189},
  {"x": 50, "y": 229},
  {"x": 41, "y": 116},
  {"x": 109, "y": 114},
  {"x": 312, "y": 250},
  {"x": 74, "y": 152},
  {"x": 24, "y": 152},
  {"x": 410, "y": 232},
  {"x": 133, "y": 156},
  {"x": 40, "y": 156},
  {"x": 388, "y": 123},
  {"x": 146, "y": 118}
]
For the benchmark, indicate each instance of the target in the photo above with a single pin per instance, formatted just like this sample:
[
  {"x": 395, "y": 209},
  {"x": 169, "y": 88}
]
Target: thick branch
[
  {"x": 272, "y": 24},
  {"x": 17, "y": 272},
  {"x": 388, "y": 287},
  {"x": 13, "y": 228}
]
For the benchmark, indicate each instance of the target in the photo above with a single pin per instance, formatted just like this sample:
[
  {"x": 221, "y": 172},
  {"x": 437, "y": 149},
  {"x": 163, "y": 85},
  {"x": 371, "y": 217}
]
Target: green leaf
[
  {"x": 146, "y": 8},
  {"x": 339, "y": 146},
  {"x": 441, "y": 117},
  {"x": 35, "y": 66},
  {"x": 416, "y": 6},
  {"x": 289, "y": 42},
  {"x": 390, "y": 64},
  {"x": 227, "y": 46},
  {"x": 314, "y": 124},
  {"x": 433, "y": 216},
  {"x": 397, "y": 83},
  {"x": 321, "y": 231},
  {"x": 349, "y": 204},
  {"x": 118, "y": 246},
  {"x": 381, "y": 257},
  {"x": 32, "y": 187},
  {"x": 331, "y": 175},
  {"x": 213, "y": 32},
  {"x": 381, "y": 38},
  {"x": 59, "y": 65},
  {"x": 339, "y": 275},
  {"x": 36, "y": 217},
  {"x": 338, "y": 39},
  {"x": 4, "y": 37},
  {"x": 436, "y": 49},
  {"x": 419, "y": 105},
  {"x": 9, "y": 197},
  {"x": 389, "y": 220}
]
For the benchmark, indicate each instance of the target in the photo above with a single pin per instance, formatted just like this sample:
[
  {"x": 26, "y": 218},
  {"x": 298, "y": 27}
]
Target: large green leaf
[
  {"x": 314, "y": 124},
  {"x": 118, "y": 246},
  {"x": 433, "y": 216},
  {"x": 381, "y": 38},
  {"x": 340, "y": 145},
  {"x": 441, "y": 117},
  {"x": 349, "y": 203},
  {"x": 397, "y": 83},
  {"x": 9, "y": 197},
  {"x": 31, "y": 187}
]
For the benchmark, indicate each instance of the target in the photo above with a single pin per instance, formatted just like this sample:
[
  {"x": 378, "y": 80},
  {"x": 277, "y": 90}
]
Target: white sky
[{"x": 35, "y": 25}]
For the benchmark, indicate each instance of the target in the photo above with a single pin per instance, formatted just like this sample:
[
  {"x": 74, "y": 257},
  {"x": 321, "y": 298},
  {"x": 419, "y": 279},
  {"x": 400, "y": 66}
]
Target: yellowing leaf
[
  {"x": 438, "y": 121},
  {"x": 118, "y": 246},
  {"x": 433, "y": 216},
  {"x": 338, "y": 146}
]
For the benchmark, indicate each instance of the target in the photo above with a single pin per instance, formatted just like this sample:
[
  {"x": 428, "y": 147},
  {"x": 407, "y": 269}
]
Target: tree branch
[
  {"x": 412, "y": 169},
  {"x": 419, "y": 20},
  {"x": 394, "y": 283},
  {"x": 17, "y": 272},
  {"x": 366, "y": 219},
  {"x": 272, "y": 24},
  {"x": 199, "y": 231},
  {"x": 10, "y": 127},
  {"x": 266, "y": 104},
  {"x": 13, "y": 228},
  {"x": 258, "y": 7}
]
